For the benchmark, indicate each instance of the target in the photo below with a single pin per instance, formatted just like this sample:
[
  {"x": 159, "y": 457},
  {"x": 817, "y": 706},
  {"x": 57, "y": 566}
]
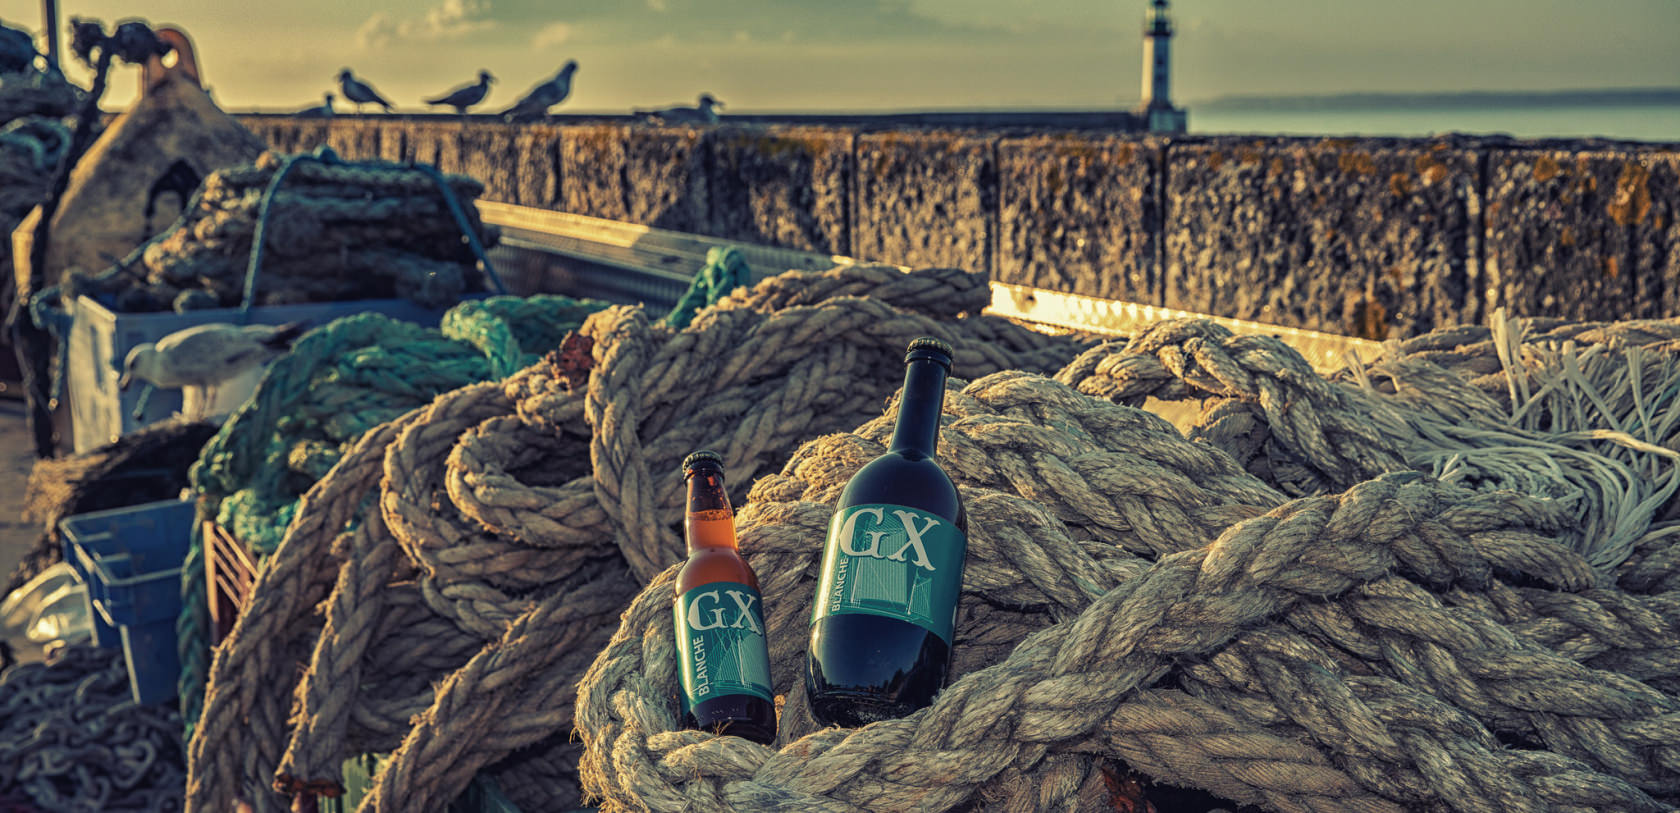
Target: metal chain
[{"x": 73, "y": 739}]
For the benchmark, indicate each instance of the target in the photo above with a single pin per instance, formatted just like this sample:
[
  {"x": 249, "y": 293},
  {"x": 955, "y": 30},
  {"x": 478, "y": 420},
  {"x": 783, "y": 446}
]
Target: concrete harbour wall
[{"x": 1379, "y": 238}]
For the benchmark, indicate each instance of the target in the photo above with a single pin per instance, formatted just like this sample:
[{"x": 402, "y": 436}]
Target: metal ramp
[{"x": 625, "y": 262}]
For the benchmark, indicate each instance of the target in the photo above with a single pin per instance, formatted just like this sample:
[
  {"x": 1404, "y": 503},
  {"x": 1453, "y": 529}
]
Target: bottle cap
[
  {"x": 701, "y": 458},
  {"x": 929, "y": 348}
]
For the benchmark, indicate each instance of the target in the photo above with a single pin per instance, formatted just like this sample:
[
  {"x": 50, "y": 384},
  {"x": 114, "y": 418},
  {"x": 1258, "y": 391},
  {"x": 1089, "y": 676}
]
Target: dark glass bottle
[
  {"x": 892, "y": 568},
  {"x": 719, "y": 617}
]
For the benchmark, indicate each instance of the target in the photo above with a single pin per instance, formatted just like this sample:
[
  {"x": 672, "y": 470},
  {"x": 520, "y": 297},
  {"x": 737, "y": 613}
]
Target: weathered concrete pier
[{"x": 1379, "y": 238}]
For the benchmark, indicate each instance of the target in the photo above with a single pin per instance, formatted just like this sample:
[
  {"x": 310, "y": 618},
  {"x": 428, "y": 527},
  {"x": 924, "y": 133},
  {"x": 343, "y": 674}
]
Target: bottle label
[
  {"x": 720, "y": 639},
  {"x": 895, "y": 561}
]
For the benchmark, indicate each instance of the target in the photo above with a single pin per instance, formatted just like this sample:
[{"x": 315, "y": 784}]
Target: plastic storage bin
[
  {"x": 101, "y": 338},
  {"x": 131, "y": 559}
]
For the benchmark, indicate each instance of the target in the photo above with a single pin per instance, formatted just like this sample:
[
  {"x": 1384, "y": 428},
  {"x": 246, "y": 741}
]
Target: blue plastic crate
[
  {"x": 104, "y": 633},
  {"x": 154, "y": 662},
  {"x": 101, "y": 338},
  {"x": 131, "y": 559}
]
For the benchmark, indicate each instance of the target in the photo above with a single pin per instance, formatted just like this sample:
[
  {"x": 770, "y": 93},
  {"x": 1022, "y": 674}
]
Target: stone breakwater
[{"x": 1378, "y": 238}]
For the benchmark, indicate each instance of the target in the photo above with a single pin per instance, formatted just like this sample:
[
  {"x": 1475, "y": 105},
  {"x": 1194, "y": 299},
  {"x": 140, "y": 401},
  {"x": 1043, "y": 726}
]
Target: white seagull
[
  {"x": 466, "y": 96},
  {"x": 359, "y": 92},
  {"x": 701, "y": 114},
  {"x": 205, "y": 356},
  {"x": 539, "y": 99}
]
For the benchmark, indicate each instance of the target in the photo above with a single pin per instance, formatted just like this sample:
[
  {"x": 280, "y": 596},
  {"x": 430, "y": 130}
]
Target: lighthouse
[{"x": 1157, "y": 107}]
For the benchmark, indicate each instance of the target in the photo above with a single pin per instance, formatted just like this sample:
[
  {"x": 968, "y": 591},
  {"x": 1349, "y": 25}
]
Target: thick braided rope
[
  {"x": 670, "y": 387},
  {"x": 1189, "y": 603},
  {"x": 511, "y": 504},
  {"x": 481, "y": 714},
  {"x": 339, "y": 381},
  {"x": 542, "y": 776},
  {"x": 329, "y": 687},
  {"x": 249, "y": 681},
  {"x": 1472, "y": 352},
  {"x": 934, "y": 291},
  {"x": 358, "y": 606},
  {"x": 1306, "y": 434},
  {"x": 1338, "y": 437}
]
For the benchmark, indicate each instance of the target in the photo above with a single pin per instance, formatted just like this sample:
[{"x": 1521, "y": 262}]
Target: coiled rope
[
  {"x": 1402, "y": 643},
  {"x": 472, "y": 602},
  {"x": 338, "y": 382},
  {"x": 1377, "y": 642}
]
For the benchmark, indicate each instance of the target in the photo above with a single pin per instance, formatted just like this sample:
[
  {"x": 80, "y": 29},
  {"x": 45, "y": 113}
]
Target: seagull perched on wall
[
  {"x": 704, "y": 113},
  {"x": 206, "y": 356},
  {"x": 323, "y": 109},
  {"x": 539, "y": 99},
  {"x": 359, "y": 92},
  {"x": 466, "y": 96}
]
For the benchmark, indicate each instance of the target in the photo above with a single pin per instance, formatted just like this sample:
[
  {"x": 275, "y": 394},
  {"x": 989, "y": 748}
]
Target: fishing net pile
[
  {"x": 33, "y": 137},
  {"x": 331, "y": 232},
  {"x": 1443, "y": 580}
]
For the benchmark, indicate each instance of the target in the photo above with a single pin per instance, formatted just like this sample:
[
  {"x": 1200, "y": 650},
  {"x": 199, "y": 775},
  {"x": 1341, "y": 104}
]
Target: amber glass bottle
[
  {"x": 892, "y": 568},
  {"x": 725, "y": 658}
]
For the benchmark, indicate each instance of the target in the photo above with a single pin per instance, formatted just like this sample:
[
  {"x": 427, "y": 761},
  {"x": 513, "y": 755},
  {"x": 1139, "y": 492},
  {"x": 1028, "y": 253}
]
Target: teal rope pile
[
  {"x": 501, "y": 326},
  {"x": 724, "y": 271},
  {"x": 339, "y": 381}
]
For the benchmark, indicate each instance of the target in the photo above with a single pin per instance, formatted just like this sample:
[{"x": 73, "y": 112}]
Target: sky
[{"x": 877, "y": 55}]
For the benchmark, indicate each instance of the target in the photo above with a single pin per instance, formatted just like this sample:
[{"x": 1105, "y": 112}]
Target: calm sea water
[{"x": 1640, "y": 123}]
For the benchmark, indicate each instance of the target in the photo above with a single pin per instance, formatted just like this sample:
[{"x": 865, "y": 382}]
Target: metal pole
[{"x": 49, "y": 14}]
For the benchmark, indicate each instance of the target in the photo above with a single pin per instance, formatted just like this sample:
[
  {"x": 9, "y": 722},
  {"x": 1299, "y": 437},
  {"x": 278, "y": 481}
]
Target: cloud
[
  {"x": 705, "y": 22},
  {"x": 376, "y": 32},
  {"x": 551, "y": 35},
  {"x": 450, "y": 20}
]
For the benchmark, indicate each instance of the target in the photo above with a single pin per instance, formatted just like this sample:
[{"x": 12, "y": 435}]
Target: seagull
[
  {"x": 703, "y": 114},
  {"x": 466, "y": 96},
  {"x": 17, "y": 50},
  {"x": 324, "y": 109},
  {"x": 539, "y": 99},
  {"x": 359, "y": 92},
  {"x": 206, "y": 356}
]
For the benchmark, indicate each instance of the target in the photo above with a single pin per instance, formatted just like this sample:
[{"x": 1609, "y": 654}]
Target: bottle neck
[
  {"x": 710, "y": 523},
  {"x": 919, "y": 406}
]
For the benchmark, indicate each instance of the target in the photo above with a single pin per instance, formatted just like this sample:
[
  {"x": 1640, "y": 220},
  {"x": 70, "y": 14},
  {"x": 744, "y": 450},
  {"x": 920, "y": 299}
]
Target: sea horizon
[{"x": 1635, "y": 114}]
